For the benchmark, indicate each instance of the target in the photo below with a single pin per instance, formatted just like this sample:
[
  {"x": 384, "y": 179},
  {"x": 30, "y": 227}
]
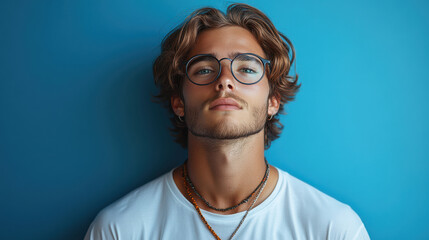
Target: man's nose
[{"x": 226, "y": 80}]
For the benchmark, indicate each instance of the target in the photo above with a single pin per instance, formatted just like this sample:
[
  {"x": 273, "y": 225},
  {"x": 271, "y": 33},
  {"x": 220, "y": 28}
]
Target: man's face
[{"x": 226, "y": 109}]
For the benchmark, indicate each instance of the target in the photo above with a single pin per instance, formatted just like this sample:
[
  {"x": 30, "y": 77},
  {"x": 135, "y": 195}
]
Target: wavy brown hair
[{"x": 169, "y": 72}]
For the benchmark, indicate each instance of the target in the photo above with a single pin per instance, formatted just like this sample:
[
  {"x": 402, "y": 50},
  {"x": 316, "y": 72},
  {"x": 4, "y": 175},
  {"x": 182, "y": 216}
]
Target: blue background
[{"x": 78, "y": 129}]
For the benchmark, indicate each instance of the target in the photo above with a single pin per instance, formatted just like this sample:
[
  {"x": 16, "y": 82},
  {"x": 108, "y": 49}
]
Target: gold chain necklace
[
  {"x": 185, "y": 174},
  {"x": 232, "y": 207}
]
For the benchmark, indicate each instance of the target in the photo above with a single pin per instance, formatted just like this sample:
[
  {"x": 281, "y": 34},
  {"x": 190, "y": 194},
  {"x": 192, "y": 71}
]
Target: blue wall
[{"x": 78, "y": 129}]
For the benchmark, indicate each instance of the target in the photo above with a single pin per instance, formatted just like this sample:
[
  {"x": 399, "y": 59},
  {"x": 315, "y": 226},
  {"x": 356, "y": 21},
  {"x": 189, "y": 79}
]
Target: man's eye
[
  {"x": 204, "y": 71},
  {"x": 247, "y": 70}
]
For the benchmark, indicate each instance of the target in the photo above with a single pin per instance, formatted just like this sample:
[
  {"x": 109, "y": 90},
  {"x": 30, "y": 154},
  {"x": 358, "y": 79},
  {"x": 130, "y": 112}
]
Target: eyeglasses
[{"x": 247, "y": 68}]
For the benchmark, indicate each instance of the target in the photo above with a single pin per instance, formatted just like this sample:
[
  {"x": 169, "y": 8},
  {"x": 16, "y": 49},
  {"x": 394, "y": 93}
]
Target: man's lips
[{"x": 224, "y": 104}]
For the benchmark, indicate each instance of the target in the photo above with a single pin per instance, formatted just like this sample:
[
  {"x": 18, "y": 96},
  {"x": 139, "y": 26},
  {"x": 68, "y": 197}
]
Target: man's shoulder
[
  {"x": 316, "y": 209},
  {"x": 140, "y": 198},
  {"x": 128, "y": 214},
  {"x": 309, "y": 195}
]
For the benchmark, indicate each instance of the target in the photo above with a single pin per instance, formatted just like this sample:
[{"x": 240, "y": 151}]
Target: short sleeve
[
  {"x": 347, "y": 225},
  {"x": 102, "y": 229}
]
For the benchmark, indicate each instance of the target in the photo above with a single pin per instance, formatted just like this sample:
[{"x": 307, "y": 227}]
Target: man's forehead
[{"x": 226, "y": 42}]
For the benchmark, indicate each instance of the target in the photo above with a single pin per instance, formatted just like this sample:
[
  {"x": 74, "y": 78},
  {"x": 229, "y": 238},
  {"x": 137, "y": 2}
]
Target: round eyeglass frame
[{"x": 263, "y": 60}]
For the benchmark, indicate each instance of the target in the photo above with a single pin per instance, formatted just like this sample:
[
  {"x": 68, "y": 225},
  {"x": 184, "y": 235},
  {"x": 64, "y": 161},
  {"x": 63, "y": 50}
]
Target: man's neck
[{"x": 226, "y": 171}]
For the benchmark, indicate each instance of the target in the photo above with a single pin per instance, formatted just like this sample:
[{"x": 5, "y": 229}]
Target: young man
[{"x": 225, "y": 77}]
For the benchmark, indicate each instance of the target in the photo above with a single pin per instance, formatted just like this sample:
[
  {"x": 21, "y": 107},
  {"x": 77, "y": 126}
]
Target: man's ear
[
  {"x": 178, "y": 106},
  {"x": 273, "y": 105}
]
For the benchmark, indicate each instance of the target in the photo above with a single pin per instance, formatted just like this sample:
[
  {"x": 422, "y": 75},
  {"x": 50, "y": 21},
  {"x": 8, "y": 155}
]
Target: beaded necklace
[
  {"x": 185, "y": 175},
  {"x": 232, "y": 207}
]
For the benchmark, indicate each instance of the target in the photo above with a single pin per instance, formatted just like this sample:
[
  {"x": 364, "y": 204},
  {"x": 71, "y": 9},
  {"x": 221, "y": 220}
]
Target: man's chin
[{"x": 225, "y": 133}]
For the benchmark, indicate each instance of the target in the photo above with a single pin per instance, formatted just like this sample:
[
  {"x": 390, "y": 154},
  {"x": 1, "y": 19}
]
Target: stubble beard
[{"x": 225, "y": 130}]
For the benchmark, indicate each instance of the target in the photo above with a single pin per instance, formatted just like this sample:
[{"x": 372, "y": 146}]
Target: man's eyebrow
[
  {"x": 230, "y": 55},
  {"x": 234, "y": 54}
]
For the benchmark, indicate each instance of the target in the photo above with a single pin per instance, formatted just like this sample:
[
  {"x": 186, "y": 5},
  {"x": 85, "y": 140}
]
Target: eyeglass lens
[{"x": 246, "y": 68}]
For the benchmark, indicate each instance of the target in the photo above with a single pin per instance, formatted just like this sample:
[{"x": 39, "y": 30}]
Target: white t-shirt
[{"x": 294, "y": 210}]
